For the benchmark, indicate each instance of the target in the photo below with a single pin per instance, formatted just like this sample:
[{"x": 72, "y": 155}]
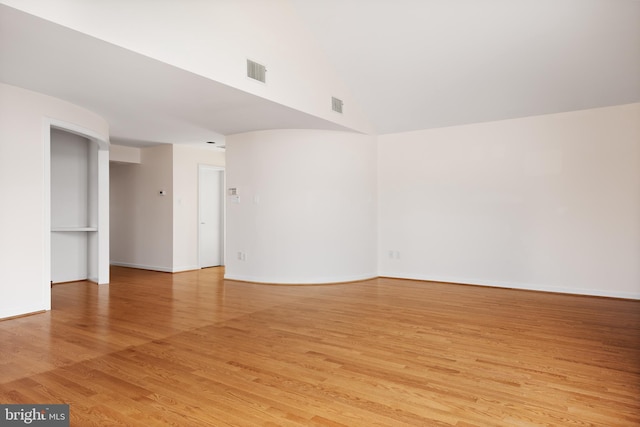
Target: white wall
[
  {"x": 185, "y": 201},
  {"x": 142, "y": 219},
  {"x": 120, "y": 153},
  {"x": 549, "y": 202},
  {"x": 214, "y": 39},
  {"x": 24, "y": 216},
  {"x": 307, "y": 206},
  {"x": 69, "y": 180}
]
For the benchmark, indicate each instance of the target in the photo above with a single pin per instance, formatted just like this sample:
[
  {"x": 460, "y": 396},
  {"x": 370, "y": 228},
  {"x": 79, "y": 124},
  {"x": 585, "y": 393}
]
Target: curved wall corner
[
  {"x": 25, "y": 120},
  {"x": 305, "y": 209}
]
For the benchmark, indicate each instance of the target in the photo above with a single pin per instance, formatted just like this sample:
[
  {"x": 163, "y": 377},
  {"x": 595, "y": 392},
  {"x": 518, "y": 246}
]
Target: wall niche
[{"x": 74, "y": 207}]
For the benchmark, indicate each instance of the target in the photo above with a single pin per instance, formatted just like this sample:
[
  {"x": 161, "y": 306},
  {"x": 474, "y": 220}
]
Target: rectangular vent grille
[
  {"x": 256, "y": 71},
  {"x": 336, "y": 104}
]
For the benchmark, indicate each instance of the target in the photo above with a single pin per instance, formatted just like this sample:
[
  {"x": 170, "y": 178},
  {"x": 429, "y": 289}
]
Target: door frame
[{"x": 223, "y": 227}]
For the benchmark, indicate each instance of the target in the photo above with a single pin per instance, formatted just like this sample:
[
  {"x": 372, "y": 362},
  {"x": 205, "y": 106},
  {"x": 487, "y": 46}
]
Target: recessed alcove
[{"x": 75, "y": 207}]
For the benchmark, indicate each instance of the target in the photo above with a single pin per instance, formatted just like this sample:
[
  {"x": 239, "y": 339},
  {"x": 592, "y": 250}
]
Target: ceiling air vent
[
  {"x": 217, "y": 144},
  {"x": 336, "y": 104},
  {"x": 256, "y": 71}
]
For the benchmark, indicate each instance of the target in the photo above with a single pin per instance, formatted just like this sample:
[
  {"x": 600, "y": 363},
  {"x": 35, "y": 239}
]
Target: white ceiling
[
  {"x": 418, "y": 64},
  {"x": 145, "y": 101},
  {"x": 411, "y": 64}
]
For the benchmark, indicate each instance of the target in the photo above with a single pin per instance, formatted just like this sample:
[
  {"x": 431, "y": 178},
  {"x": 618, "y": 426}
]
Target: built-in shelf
[
  {"x": 74, "y": 229},
  {"x": 79, "y": 205},
  {"x": 74, "y": 188}
]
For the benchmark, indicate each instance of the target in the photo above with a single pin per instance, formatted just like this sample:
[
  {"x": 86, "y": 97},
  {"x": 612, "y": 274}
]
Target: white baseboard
[
  {"x": 23, "y": 311},
  {"x": 142, "y": 266},
  {"x": 185, "y": 268},
  {"x": 155, "y": 268},
  {"x": 300, "y": 281},
  {"x": 510, "y": 285}
]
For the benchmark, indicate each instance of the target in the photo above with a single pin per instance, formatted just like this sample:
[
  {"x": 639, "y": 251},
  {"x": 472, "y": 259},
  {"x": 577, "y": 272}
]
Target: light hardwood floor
[{"x": 191, "y": 349}]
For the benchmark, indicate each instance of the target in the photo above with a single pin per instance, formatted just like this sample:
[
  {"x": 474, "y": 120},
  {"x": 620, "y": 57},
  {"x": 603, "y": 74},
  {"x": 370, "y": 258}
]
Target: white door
[{"x": 210, "y": 216}]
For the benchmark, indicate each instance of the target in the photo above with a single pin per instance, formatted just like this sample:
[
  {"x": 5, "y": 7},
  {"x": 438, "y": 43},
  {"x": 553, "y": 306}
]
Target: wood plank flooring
[{"x": 192, "y": 349}]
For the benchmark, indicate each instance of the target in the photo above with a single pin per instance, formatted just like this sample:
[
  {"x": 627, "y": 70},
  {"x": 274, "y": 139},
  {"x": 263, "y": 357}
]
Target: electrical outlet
[{"x": 242, "y": 256}]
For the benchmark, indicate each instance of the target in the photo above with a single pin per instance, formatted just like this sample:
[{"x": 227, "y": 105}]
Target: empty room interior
[{"x": 321, "y": 212}]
